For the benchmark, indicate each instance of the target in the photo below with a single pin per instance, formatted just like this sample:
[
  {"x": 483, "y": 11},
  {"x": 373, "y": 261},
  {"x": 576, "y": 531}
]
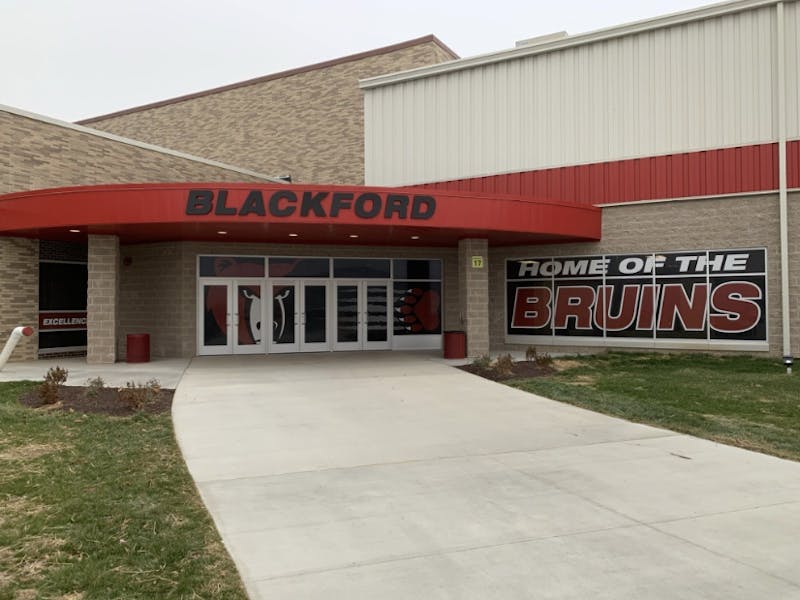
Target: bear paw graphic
[{"x": 418, "y": 310}]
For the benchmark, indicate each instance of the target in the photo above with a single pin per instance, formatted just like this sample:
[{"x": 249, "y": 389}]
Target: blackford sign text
[{"x": 303, "y": 203}]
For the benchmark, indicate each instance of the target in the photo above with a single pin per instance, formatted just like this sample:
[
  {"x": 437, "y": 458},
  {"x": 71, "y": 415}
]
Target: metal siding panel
[
  {"x": 731, "y": 170},
  {"x": 748, "y": 170},
  {"x": 660, "y": 174},
  {"x": 703, "y": 84},
  {"x": 614, "y": 189},
  {"x": 793, "y": 164},
  {"x": 706, "y": 173},
  {"x": 792, "y": 23},
  {"x": 766, "y": 73},
  {"x": 770, "y": 173}
]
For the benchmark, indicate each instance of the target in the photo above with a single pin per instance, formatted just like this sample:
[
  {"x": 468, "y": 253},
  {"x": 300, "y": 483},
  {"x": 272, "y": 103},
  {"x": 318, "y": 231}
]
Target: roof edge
[
  {"x": 135, "y": 143},
  {"x": 615, "y": 31},
  {"x": 278, "y": 75}
]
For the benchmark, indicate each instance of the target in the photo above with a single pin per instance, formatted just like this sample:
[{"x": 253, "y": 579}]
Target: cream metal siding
[
  {"x": 792, "y": 28},
  {"x": 701, "y": 84}
]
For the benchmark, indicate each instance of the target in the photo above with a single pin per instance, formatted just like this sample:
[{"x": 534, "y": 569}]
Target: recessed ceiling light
[
  {"x": 222, "y": 232},
  {"x": 353, "y": 235},
  {"x": 74, "y": 230},
  {"x": 414, "y": 237},
  {"x": 293, "y": 234}
]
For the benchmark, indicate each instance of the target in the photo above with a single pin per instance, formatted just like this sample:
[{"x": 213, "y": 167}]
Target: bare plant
[
  {"x": 504, "y": 365},
  {"x": 53, "y": 382},
  {"x": 138, "y": 395}
]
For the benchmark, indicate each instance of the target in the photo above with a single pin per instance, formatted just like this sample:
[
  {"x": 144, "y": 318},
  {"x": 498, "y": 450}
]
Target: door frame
[
  {"x": 202, "y": 349},
  {"x": 362, "y": 342},
  {"x": 231, "y": 316},
  {"x": 260, "y": 347},
  {"x": 314, "y": 346},
  {"x": 387, "y": 344},
  {"x": 299, "y": 285}
]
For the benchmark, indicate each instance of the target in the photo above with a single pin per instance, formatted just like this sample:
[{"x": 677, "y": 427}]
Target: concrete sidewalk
[
  {"x": 392, "y": 475},
  {"x": 168, "y": 371}
]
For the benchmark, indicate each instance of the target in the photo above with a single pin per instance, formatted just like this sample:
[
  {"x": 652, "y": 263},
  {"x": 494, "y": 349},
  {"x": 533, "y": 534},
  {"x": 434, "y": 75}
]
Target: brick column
[
  {"x": 19, "y": 293},
  {"x": 102, "y": 299},
  {"x": 473, "y": 288}
]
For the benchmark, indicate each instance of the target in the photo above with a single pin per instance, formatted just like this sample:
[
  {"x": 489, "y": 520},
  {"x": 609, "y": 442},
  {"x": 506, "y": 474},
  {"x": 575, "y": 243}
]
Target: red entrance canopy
[{"x": 292, "y": 213}]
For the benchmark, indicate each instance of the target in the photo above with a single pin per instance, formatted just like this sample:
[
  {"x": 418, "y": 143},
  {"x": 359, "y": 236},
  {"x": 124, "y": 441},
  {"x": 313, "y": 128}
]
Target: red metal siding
[
  {"x": 706, "y": 173},
  {"x": 793, "y": 164}
]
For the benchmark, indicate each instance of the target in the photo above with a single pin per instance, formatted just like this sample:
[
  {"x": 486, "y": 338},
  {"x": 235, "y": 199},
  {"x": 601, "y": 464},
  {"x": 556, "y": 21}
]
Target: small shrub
[
  {"x": 94, "y": 385},
  {"x": 154, "y": 386},
  {"x": 504, "y": 365},
  {"x": 544, "y": 360},
  {"x": 53, "y": 381},
  {"x": 483, "y": 362},
  {"x": 138, "y": 395},
  {"x": 531, "y": 354},
  {"x": 541, "y": 359}
]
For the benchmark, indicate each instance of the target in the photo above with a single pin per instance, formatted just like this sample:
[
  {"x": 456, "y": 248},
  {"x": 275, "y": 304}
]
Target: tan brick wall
[
  {"x": 309, "y": 125},
  {"x": 473, "y": 283},
  {"x": 152, "y": 298},
  {"x": 36, "y": 154},
  {"x": 19, "y": 293},
  {"x": 158, "y": 290},
  {"x": 794, "y": 276},
  {"x": 102, "y": 299},
  {"x": 738, "y": 222}
]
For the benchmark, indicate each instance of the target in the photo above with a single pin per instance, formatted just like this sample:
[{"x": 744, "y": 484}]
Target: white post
[
  {"x": 15, "y": 337},
  {"x": 780, "y": 40}
]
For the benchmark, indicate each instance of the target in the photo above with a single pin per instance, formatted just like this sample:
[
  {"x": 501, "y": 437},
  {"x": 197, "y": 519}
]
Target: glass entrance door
[
  {"x": 230, "y": 317},
  {"x": 362, "y": 315},
  {"x": 214, "y": 318},
  {"x": 248, "y": 311},
  {"x": 376, "y": 315},
  {"x": 314, "y": 330},
  {"x": 299, "y": 316}
]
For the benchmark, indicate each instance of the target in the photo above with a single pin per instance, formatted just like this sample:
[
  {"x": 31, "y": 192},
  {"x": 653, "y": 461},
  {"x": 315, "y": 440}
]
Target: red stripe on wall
[
  {"x": 793, "y": 164},
  {"x": 706, "y": 173}
]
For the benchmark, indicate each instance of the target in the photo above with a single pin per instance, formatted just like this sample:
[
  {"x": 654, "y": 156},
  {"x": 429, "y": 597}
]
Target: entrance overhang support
[{"x": 473, "y": 291}]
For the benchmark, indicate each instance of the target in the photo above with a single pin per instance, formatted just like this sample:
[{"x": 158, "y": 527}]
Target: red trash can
[
  {"x": 138, "y": 348},
  {"x": 455, "y": 344}
]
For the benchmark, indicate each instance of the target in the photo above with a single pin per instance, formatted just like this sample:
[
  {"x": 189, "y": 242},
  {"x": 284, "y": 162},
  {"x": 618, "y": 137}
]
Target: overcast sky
[{"x": 72, "y": 59}]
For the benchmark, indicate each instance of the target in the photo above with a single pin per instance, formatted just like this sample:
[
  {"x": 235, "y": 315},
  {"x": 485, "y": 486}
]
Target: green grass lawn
[
  {"x": 743, "y": 401},
  {"x": 101, "y": 507}
]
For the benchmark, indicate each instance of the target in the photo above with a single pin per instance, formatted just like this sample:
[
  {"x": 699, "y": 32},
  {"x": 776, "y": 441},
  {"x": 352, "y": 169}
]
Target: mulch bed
[
  {"x": 522, "y": 368},
  {"x": 73, "y": 398}
]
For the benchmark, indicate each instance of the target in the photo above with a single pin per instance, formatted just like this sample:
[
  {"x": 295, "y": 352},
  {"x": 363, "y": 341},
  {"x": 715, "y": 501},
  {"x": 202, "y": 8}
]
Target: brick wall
[
  {"x": 19, "y": 293},
  {"x": 739, "y": 222},
  {"x": 36, "y": 154},
  {"x": 473, "y": 282},
  {"x": 794, "y": 276},
  {"x": 158, "y": 289},
  {"x": 309, "y": 124},
  {"x": 153, "y": 298},
  {"x": 102, "y": 299}
]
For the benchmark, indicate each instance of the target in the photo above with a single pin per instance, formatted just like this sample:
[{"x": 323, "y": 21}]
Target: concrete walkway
[
  {"x": 168, "y": 371},
  {"x": 392, "y": 475}
]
